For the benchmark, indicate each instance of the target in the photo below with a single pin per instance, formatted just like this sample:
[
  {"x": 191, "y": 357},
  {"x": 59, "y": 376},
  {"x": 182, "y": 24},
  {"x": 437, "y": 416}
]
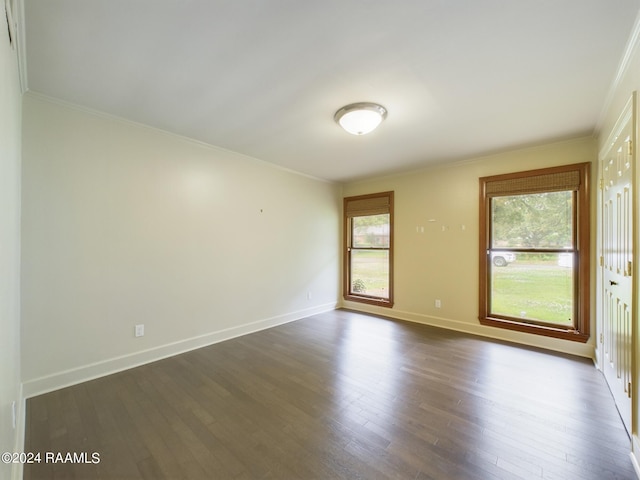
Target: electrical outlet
[
  {"x": 140, "y": 330},
  {"x": 438, "y": 304},
  {"x": 308, "y": 295}
]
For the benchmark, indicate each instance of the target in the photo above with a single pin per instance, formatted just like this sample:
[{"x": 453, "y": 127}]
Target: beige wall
[
  {"x": 123, "y": 224},
  {"x": 10, "y": 119},
  {"x": 442, "y": 262}
]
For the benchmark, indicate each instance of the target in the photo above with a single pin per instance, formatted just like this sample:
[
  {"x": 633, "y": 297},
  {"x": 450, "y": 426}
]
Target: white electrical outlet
[
  {"x": 308, "y": 295},
  {"x": 438, "y": 304},
  {"x": 140, "y": 330}
]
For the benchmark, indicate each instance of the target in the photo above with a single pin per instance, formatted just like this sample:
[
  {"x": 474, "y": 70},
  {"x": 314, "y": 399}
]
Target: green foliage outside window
[{"x": 541, "y": 220}]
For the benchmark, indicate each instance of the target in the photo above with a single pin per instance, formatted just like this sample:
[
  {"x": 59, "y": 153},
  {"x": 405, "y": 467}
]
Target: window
[
  {"x": 534, "y": 251},
  {"x": 368, "y": 243}
]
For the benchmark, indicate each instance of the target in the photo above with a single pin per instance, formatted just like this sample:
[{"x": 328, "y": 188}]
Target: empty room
[{"x": 319, "y": 240}]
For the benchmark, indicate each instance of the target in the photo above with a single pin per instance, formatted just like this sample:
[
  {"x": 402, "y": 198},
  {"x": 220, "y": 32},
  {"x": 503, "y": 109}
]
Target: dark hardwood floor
[{"x": 338, "y": 395}]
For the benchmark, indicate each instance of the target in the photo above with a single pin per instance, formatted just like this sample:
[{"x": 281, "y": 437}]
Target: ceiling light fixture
[{"x": 360, "y": 118}]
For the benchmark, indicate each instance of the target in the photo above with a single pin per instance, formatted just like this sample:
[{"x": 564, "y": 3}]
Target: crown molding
[
  {"x": 15, "y": 18},
  {"x": 21, "y": 44},
  {"x": 626, "y": 116}
]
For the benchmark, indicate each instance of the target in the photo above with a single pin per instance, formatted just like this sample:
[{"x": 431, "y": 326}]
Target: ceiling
[{"x": 459, "y": 78}]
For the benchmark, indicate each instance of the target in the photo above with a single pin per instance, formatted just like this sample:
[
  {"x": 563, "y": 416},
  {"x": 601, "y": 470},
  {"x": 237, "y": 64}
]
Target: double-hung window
[
  {"x": 534, "y": 251},
  {"x": 368, "y": 253}
]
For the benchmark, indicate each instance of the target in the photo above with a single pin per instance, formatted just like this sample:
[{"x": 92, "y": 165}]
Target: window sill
[
  {"x": 381, "y": 302},
  {"x": 547, "y": 331}
]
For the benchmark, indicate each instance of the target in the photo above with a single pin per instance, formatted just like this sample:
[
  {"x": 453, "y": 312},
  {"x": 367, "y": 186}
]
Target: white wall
[
  {"x": 442, "y": 262},
  {"x": 123, "y": 224},
  {"x": 10, "y": 120}
]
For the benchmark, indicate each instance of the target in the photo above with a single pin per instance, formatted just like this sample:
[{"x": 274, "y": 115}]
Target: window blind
[
  {"x": 377, "y": 204},
  {"x": 557, "y": 181}
]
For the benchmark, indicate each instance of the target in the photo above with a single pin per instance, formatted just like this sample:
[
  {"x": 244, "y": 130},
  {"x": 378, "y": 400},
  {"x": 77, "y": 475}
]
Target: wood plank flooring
[{"x": 339, "y": 395}]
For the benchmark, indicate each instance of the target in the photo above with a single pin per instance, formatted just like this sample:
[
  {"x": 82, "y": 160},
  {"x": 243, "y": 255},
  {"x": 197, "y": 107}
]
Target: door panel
[{"x": 616, "y": 227}]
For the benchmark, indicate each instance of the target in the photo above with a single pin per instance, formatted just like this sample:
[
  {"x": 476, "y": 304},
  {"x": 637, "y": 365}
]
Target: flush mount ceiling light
[{"x": 360, "y": 118}]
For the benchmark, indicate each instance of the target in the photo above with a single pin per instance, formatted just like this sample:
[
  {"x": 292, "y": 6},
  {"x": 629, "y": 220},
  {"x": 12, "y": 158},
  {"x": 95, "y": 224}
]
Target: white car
[
  {"x": 502, "y": 259},
  {"x": 565, "y": 259}
]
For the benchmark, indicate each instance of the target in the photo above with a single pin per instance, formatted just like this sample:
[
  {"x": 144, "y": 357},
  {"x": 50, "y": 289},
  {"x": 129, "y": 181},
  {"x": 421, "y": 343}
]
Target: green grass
[
  {"x": 372, "y": 269},
  {"x": 531, "y": 289},
  {"x": 537, "y": 291}
]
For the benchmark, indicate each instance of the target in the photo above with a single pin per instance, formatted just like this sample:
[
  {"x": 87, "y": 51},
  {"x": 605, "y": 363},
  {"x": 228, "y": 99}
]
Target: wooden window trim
[
  {"x": 583, "y": 270},
  {"x": 371, "y": 204}
]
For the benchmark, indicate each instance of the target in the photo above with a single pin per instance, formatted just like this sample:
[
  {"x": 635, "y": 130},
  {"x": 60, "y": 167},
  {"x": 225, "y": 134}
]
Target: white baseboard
[
  {"x": 66, "y": 378},
  {"x": 547, "y": 343},
  {"x": 635, "y": 450},
  {"x": 597, "y": 358},
  {"x": 16, "y": 472}
]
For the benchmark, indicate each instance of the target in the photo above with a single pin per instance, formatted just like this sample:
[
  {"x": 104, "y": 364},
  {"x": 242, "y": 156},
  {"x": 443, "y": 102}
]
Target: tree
[{"x": 539, "y": 220}]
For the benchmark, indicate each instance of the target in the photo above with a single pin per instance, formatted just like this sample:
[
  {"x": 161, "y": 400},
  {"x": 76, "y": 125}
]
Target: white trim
[
  {"x": 547, "y": 343},
  {"x": 11, "y": 23},
  {"x": 73, "y": 376},
  {"x": 18, "y": 446},
  {"x": 21, "y": 45},
  {"x": 621, "y": 123},
  {"x": 15, "y": 18},
  {"x": 597, "y": 358},
  {"x": 632, "y": 44},
  {"x": 635, "y": 447}
]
